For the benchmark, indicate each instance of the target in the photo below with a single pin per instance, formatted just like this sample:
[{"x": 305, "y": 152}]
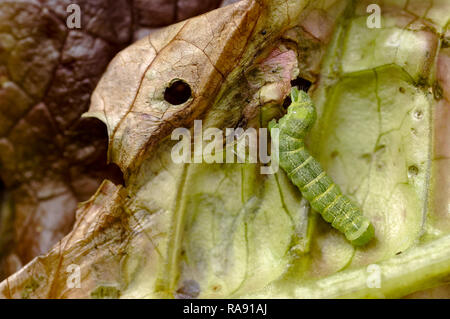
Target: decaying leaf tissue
[{"x": 140, "y": 155}]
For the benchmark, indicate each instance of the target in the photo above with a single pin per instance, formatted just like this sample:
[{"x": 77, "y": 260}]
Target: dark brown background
[{"x": 50, "y": 159}]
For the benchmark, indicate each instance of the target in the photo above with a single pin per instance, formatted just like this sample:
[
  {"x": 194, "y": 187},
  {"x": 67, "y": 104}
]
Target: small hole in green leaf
[
  {"x": 418, "y": 114},
  {"x": 413, "y": 171}
]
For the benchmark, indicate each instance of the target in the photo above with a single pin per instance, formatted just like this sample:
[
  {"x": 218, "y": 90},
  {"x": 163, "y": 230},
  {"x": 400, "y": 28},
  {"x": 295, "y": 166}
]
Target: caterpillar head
[
  {"x": 300, "y": 116},
  {"x": 302, "y": 108}
]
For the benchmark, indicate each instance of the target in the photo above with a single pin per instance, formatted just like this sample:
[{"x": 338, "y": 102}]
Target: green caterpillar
[{"x": 306, "y": 173}]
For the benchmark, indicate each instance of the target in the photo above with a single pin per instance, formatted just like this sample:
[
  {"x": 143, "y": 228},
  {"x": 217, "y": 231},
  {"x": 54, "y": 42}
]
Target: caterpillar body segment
[{"x": 307, "y": 174}]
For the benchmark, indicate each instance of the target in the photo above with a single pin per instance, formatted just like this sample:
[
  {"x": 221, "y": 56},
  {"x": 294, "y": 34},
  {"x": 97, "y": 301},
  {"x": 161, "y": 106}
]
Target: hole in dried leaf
[
  {"x": 88, "y": 158},
  {"x": 287, "y": 101},
  {"x": 177, "y": 93},
  {"x": 114, "y": 174},
  {"x": 301, "y": 83}
]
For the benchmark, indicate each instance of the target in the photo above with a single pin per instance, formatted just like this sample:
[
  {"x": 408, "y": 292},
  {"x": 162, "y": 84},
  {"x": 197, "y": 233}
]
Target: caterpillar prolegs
[{"x": 306, "y": 173}]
